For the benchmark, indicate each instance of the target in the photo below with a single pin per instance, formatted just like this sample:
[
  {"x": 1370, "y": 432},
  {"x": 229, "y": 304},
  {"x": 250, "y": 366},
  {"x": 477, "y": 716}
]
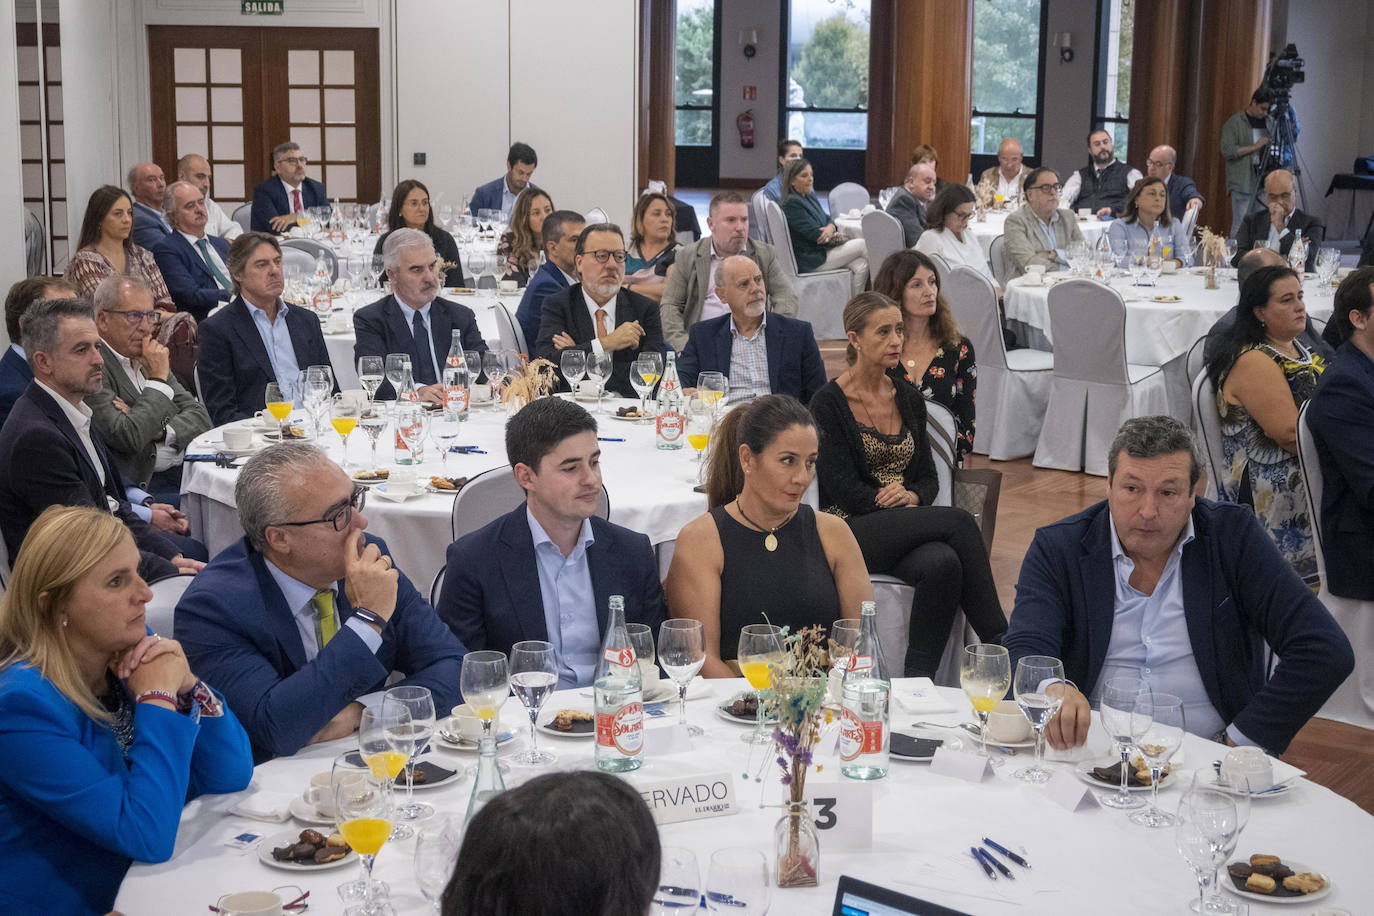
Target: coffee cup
[
  {"x": 1035, "y": 275},
  {"x": 586, "y": 389},
  {"x": 1249, "y": 763},
  {"x": 250, "y": 903},
  {"x": 468, "y": 726},
  {"x": 1170, "y": 267},
  {"x": 509, "y": 286},
  {"x": 401, "y": 480},
  {"x": 1085, "y": 212},
  {"x": 1007, "y": 724},
  {"x": 238, "y": 438},
  {"x": 320, "y": 794},
  {"x": 479, "y": 394}
]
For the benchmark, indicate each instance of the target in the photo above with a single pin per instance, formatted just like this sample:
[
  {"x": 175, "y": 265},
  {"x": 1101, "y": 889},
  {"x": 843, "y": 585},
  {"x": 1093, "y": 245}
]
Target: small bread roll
[
  {"x": 1260, "y": 884},
  {"x": 1258, "y": 860}
]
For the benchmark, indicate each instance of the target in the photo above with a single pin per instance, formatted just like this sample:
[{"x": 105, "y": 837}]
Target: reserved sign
[{"x": 690, "y": 798}]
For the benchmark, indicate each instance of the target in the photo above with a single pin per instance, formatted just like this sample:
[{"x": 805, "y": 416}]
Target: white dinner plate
[
  {"x": 400, "y": 496},
  {"x": 1299, "y": 899},
  {"x": 290, "y": 838},
  {"x": 307, "y": 813},
  {"x": 1083, "y": 769},
  {"x": 971, "y": 736}
]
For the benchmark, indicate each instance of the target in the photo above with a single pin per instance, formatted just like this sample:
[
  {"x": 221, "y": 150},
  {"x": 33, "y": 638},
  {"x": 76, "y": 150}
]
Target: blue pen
[
  {"x": 989, "y": 857},
  {"x": 608, "y": 439},
  {"x": 973, "y": 851},
  {"x": 1006, "y": 852}
]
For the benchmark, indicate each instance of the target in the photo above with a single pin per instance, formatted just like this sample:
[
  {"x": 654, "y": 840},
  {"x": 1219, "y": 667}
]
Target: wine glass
[
  {"x": 712, "y": 387},
  {"x": 844, "y": 636},
  {"x": 572, "y": 362},
  {"x": 373, "y": 424},
  {"x": 278, "y": 404},
  {"x": 985, "y": 676},
  {"x": 1157, "y": 744},
  {"x": 494, "y": 368},
  {"x": 371, "y": 371},
  {"x": 1125, "y": 714},
  {"x": 363, "y": 813},
  {"x": 374, "y": 747},
  {"x": 642, "y": 641},
  {"x": 1238, "y": 788},
  {"x": 1328, "y": 263},
  {"x": 682, "y": 652},
  {"x": 445, "y": 214},
  {"x": 679, "y": 882},
  {"x": 737, "y": 882},
  {"x": 700, "y": 421},
  {"x": 533, "y": 676},
  {"x": 1154, "y": 264},
  {"x": 436, "y": 852},
  {"x": 1135, "y": 262},
  {"x": 1034, "y": 675},
  {"x": 1206, "y": 832},
  {"x": 760, "y": 648},
  {"x": 343, "y": 416},
  {"x": 485, "y": 684},
  {"x": 410, "y": 427},
  {"x": 411, "y": 739},
  {"x": 397, "y": 365},
  {"x": 445, "y": 428},
  {"x": 643, "y": 375},
  {"x": 318, "y": 386},
  {"x": 599, "y": 369}
]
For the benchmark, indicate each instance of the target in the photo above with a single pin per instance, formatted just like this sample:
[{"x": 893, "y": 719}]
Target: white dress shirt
[
  {"x": 289, "y": 188},
  {"x": 219, "y": 223},
  {"x": 79, "y": 415},
  {"x": 597, "y": 348},
  {"x": 1009, "y": 188}
]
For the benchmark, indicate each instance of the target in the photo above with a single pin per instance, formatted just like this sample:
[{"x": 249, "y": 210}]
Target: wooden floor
[{"x": 1335, "y": 755}]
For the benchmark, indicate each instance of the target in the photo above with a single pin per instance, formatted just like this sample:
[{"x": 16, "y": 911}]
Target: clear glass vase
[{"x": 798, "y": 848}]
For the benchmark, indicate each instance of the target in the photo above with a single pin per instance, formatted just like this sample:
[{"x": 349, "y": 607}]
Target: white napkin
[
  {"x": 918, "y": 696},
  {"x": 264, "y": 806}
]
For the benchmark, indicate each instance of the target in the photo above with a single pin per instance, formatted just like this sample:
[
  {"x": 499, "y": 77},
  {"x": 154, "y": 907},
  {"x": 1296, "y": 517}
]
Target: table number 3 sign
[{"x": 842, "y": 813}]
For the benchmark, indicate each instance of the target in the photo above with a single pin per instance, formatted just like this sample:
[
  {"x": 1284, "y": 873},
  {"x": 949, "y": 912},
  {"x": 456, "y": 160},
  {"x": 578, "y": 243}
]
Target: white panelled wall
[{"x": 11, "y": 183}]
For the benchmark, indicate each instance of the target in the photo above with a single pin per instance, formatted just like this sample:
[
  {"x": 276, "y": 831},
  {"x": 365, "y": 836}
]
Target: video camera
[{"x": 1285, "y": 69}]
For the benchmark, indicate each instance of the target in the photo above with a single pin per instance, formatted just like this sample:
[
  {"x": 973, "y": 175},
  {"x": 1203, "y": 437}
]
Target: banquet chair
[
  {"x": 302, "y": 260},
  {"x": 437, "y": 587},
  {"x": 1193, "y": 364},
  {"x": 997, "y": 259},
  {"x": 508, "y": 330},
  {"x": 1207, "y": 431},
  {"x": 243, "y": 215},
  {"x": 492, "y": 494},
  {"x": 167, "y": 591},
  {"x": 882, "y": 237},
  {"x": 942, "y": 268},
  {"x": 1013, "y": 386},
  {"x": 1190, "y": 222},
  {"x": 758, "y": 218},
  {"x": 847, "y": 196},
  {"x": 1353, "y": 701},
  {"x": 821, "y": 294},
  {"x": 1094, "y": 389},
  {"x": 315, "y": 249},
  {"x": 886, "y": 194},
  {"x": 596, "y": 215}
]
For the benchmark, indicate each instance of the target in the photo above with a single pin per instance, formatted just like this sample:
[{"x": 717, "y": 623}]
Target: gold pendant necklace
[{"x": 770, "y": 541}]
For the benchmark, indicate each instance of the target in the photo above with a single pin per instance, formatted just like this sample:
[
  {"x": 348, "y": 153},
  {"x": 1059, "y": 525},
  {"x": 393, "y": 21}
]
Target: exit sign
[{"x": 262, "y": 7}]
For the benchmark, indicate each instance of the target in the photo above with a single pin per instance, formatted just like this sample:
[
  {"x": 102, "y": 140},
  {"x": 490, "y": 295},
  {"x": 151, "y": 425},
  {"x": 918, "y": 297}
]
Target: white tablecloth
[
  {"x": 985, "y": 231},
  {"x": 1092, "y": 861},
  {"x": 650, "y": 490}
]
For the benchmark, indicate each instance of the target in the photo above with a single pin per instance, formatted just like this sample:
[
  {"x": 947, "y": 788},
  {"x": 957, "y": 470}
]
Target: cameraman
[{"x": 1243, "y": 139}]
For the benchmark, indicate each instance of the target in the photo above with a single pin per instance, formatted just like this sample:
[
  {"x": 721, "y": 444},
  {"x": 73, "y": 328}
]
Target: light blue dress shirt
[
  {"x": 276, "y": 337},
  {"x": 1047, "y": 229},
  {"x": 1124, "y": 235},
  {"x": 298, "y": 597},
  {"x": 749, "y": 363},
  {"x": 773, "y": 190},
  {"x": 565, "y": 584}
]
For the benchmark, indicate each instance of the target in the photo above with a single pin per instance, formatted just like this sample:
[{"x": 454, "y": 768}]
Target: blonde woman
[{"x": 105, "y": 729}]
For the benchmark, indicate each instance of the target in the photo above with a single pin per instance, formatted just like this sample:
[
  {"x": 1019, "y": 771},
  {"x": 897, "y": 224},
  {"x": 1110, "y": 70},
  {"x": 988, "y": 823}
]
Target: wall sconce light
[
  {"x": 749, "y": 38},
  {"x": 1064, "y": 42}
]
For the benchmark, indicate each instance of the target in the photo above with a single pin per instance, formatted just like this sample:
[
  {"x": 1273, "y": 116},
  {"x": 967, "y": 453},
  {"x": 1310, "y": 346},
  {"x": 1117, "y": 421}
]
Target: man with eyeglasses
[
  {"x": 1007, "y": 177},
  {"x": 596, "y": 315},
  {"x": 1102, "y": 185},
  {"x": 298, "y": 622},
  {"x": 193, "y": 263},
  {"x": 1183, "y": 193},
  {"x": 1040, "y": 231},
  {"x": 196, "y": 169},
  {"x": 144, "y": 413},
  {"x": 278, "y": 199},
  {"x": 1277, "y": 226}
]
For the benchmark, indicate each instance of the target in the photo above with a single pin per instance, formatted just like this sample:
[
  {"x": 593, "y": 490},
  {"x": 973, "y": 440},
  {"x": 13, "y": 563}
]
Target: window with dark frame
[
  {"x": 1008, "y": 79},
  {"x": 825, "y": 74},
  {"x": 1112, "y": 79}
]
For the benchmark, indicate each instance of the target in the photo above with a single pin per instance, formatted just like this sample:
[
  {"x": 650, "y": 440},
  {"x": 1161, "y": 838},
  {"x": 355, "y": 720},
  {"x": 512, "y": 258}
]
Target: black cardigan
[{"x": 845, "y": 479}]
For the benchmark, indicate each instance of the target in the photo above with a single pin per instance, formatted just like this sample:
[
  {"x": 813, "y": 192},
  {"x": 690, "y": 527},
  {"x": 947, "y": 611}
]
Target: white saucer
[{"x": 307, "y": 813}]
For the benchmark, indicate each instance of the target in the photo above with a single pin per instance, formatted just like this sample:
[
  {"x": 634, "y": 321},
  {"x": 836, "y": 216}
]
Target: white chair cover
[
  {"x": 492, "y": 494},
  {"x": 758, "y": 218},
  {"x": 846, "y": 196},
  {"x": 882, "y": 237},
  {"x": 1190, "y": 222},
  {"x": 597, "y": 215},
  {"x": 1013, "y": 388},
  {"x": 821, "y": 294},
  {"x": 437, "y": 586},
  {"x": 942, "y": 268},
  {"x": 314, "y": 249},
  {"x": 1207, "y": 431},
  {"x": 997, "y": 260},
  {"x": 1193, "y": 363},
  {"x": 167, "y": 591},
  {"x": 1353, "y": 701},
  {"x": 1094, "y": 390},
  {"x": 243, "y": 215},
  {"x": 509, "y": 333}
]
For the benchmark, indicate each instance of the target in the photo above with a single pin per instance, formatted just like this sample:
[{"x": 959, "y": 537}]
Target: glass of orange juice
[
  {"x": 376, "y": 752},
  {"x": 279, "y": 405},
  {"x": 985, "y": 676},
  {"x": 363, "y": 813},
  {"x": 760, "y": 649},
  {"x": 700, "y": 420},
  {"x": 343, "y": 417}
]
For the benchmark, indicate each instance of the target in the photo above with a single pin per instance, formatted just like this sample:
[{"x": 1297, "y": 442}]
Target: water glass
[
  {"x": 1206, "y": 829},
  {"x": 1157, "y": 744},
  {"x": 679, "y": 882},
  {"x": 682, "y": 652},
  {"x": 436, "y": 852},
  {"x": 572, "y": 362},
  {"x": 397, "y": 365},
  {"x": 1035, "y": 675},
  {"x": 533, "y": 677},
  {"x": 1214, "y": 901},
  {"x": 737, "y": 882},
  {"x": 371, "y": 371},
  {"x": 599, "y": 369},
  {"x": 412, "y": 739},
  {"x": 1126, "y": 714}
]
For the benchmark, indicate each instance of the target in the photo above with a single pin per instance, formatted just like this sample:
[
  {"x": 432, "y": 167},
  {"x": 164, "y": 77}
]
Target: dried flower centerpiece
[
  {"x": 1211, "y": 254},
  {"x": 535, "y": 379}
]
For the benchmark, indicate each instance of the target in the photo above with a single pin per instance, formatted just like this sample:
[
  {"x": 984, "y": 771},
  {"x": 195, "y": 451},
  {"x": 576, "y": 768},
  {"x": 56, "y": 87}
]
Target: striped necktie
[{"x": 220, "y": 278}]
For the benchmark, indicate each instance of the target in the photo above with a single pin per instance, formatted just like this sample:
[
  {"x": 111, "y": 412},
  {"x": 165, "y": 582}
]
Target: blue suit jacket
[
  {"x": 794, "y": 359},
  {"x": 15, "y": 376},
  {"x": 188, "y": 278},
  {"x": 233, "y": 365},
  {"x": 1181, "y": 190},
  {"x": 85, "y": 804},
  {"x": 1341, "y": 416},
  {"x": 1238, "y": 594},
  {"x": 240, "y": 636},
  {"x": 491, "y": 597},
  {"x": 382, "y": 328},
  {"x": 488, "y": 196},
  {"x": 269, "y": 200},
  {"x": 149, "y": 226},
  {"x": 546, "y": 281}
]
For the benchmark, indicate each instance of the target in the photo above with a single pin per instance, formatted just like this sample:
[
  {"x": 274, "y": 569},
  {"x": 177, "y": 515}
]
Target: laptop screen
[{"x": 859, "y": 898}]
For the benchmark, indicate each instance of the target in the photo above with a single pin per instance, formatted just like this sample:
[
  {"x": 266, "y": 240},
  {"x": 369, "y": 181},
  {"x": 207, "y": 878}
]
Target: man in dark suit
[
  {"x": 501, "y": 193},
  {"x": 1278, "y": 225},
  {"x": 1250, "y": 262},
  {"x": 15, "y": 373},
  {"x": 257, "y": 338},
  {"x": 598, "y": 316},
  {"x": 759, "y": 353},
  {"x": 306, "y": 615},
  {"x": 412, "y": 320},
  {"x": 194, "y": 264},
  {"x": 1341, "y": 417},
  {"x": 1186, "y": 591},
  {"x": 909, "y": 204},
  {"x": 278, "y": 199},
  {"x": 147, "y": 184},
  {"x": 559, "y": 238},
  {"x": 49, "y": 454},
  {"x": 547, "y": 569},
  {"x": 1183, "y": 192}
]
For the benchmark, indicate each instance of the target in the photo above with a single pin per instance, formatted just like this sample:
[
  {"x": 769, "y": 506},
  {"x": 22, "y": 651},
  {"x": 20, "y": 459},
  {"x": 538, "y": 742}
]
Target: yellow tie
[{"x": 326, "y": 623}]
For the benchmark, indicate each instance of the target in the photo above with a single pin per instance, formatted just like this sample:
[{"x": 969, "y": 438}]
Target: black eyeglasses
[
  {"x": 1054, "y": 188},
  {"x": 340, "y": 517},
  {"x": 604, "y": 255},
  {"x": 136, "y": 317}
]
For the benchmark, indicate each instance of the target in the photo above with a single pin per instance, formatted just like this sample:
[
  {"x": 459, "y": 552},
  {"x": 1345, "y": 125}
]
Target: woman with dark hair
[
  {"x": 936, "y": 358},
  {"x": 948, "y": 234},
  {"x": 104, "y": 248},
  {"x": 521, "y": 244},
  {"x": 410, "y": 209},
  {"x": 1145, "y": 220},
  {"x": 877, "y": 472},
  {"x": 652, "y": 244},
  {"x": 816, "y": 242},
  {"x": 562, "y": 844},
  {"x": 759, "y": 550},
  {"x": 1263, "y": 374}
]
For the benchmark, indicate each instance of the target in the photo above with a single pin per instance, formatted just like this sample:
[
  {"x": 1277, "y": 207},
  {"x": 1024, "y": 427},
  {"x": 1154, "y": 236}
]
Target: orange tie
[{"x": 601, "y": 323}]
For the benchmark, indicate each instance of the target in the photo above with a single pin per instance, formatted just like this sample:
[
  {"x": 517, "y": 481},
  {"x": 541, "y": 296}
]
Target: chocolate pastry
[
  {"x": 744, "y": 708},
  {"x": 1239, "y": 870}
]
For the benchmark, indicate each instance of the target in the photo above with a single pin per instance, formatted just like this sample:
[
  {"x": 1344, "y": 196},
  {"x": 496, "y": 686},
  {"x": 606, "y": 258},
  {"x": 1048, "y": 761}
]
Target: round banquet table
[
  {"x": 1157, "y": 333},
  {"x": 1090, "y": 861},
  {"x": 650, "y": 491},
  {"x": 985, "y": 231}
]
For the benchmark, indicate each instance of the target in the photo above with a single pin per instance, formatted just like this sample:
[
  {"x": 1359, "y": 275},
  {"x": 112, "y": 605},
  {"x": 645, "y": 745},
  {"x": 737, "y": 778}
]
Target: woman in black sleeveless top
[{"x": 759, "y": 551}]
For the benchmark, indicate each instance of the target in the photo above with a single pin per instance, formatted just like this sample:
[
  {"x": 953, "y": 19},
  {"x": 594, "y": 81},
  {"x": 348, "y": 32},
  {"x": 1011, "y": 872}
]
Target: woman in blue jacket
[
  {"x": 816, "y": 242},
  {"x": 104, "y": 730}
]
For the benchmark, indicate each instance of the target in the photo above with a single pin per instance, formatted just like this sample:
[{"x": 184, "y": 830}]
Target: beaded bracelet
[{"x": 162, "y": 695}]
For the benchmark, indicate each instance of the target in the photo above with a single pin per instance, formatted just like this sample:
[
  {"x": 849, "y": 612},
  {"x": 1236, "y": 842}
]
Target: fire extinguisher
[{"x": 745, "y": 124}]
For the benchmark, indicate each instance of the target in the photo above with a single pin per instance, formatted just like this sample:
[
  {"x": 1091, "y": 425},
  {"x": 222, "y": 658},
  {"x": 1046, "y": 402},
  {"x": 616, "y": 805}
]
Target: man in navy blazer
[
  {"x": 257, "y": 338},
  {"x": 1186, "y": 592},
  {"x": 559, "y": 238},
  {"x": 1341, "y": 417},
  {"x": 596, "y": 315},
  {"x": 306, "y": 615},
  {"x": 776, "y": 354},
  {"x": 193, "y": 264},
  {"x": 278, "y": 199},
  {"x": 547, "y": 569},
  {"x": 389, "y": 324},
  {"x": 1282, "y": 221},
  {"x": 15, "y": 373},
  {"x": 147, "y": 184},
  {"x": 500, "y": 193},
  {"x": 1183, "y": 192}
]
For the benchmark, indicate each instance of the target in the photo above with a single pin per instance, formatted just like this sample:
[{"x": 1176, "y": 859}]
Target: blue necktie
[{"x": 424, "y": 361}]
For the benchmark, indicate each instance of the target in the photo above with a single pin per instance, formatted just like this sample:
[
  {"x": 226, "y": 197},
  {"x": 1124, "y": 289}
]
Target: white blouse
[{"x": 946, "y": 245}]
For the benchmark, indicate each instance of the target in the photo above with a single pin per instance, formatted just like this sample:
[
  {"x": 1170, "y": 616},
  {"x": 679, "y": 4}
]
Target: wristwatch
[{"x": 367, "y": 615}]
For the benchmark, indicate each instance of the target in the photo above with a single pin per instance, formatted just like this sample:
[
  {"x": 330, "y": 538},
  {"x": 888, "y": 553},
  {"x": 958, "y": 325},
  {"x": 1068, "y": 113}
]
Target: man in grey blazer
[
  {"x": 1040, "y": 230},
  {"x": 690, "y": 295},
  {"x": 144, "y": 413}
]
